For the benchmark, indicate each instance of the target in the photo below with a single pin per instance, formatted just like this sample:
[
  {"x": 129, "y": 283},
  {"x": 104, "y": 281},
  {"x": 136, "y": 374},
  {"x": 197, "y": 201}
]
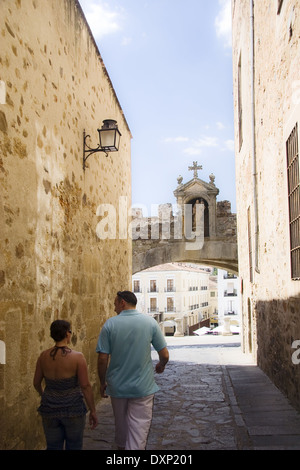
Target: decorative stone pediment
[{"x": 195, "y": 188}]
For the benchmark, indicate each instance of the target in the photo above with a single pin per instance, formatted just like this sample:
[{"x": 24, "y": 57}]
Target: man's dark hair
[
  {"x": 128, "y": 296},
  {"x": 59, "y": 329}
]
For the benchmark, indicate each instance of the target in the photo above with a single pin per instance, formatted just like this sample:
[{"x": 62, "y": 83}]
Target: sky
[{"x": 170, "y": 62}]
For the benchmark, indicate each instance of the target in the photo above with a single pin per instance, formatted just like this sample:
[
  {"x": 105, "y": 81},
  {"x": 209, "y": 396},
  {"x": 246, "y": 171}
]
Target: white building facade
[
  {"x": 173, "y": 293},
  {"x": 228, "y": 298}
]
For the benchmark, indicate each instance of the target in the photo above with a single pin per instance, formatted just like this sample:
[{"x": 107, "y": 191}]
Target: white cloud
[
  {"x": 229, "y": 144},
  {"x": 197, "y": 145},
  {"x": 102, "y": 20},
  {"x": 207, "y": 142},
  {"x": 220, "y": 125},
  {"x": 126, "y": 41},
  {"x": 223, "y": 23},
  {"x": 176, "y": 139},
  {"x": 192, "y": 151}
]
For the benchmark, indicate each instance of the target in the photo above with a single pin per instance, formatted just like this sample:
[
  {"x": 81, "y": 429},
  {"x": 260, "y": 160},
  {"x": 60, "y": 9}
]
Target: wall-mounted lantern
[{"x": 109, "y": 140}]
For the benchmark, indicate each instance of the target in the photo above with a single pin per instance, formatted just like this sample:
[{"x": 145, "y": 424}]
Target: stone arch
[{"x": 219, "y": 253}]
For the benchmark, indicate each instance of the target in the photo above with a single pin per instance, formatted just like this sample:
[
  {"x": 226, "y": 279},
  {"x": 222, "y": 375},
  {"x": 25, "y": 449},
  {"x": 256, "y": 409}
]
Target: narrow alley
[{"x": 212, "y": 397}]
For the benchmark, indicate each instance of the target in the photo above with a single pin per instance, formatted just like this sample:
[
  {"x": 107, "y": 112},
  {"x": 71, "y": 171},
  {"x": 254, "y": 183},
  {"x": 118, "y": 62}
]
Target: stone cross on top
[{"x": 195, "y": 168}]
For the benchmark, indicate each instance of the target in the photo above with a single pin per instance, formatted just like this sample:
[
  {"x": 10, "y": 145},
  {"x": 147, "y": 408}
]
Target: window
[
  {"x": 136, "y": 286},
  {"x": 153, "y": 286},
  {"x": 170, "y": 304},
  {"x": 153, "y": 305},
  {"x": 2, "y": 353},
  {"x": 280, "y": 2},
  {"x": 229, "y": 276},
  {"x": 240, "y": 105},
  {"x": 195, "y": 306},
  {"x": 292, "y": 153},
  {"x": 250, "y": 246},
  {"x": 170, "y": 285}
]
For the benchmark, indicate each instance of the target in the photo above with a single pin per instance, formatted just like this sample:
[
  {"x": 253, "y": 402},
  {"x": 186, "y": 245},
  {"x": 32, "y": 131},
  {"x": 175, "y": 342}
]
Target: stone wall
[
  {"x": 52, "y": 265},
  {"x": 226, "y": 221},
  {"x": 271, "y": 298},
  {"x": 159, "y": 240}
]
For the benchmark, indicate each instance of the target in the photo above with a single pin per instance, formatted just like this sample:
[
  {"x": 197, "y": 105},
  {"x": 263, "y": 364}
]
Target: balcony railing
[
  {"x": 193, "y": 307},
  {"x": 230, "y": 294},
  {"x": 153, "y": 310}
]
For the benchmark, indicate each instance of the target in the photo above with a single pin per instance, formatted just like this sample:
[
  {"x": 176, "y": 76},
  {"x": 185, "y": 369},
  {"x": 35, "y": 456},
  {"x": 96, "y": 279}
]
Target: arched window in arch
[{"x": 201, "y": 200}]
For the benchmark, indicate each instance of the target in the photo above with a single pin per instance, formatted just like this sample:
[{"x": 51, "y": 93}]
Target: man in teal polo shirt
[{"x": 126, "y": 340}]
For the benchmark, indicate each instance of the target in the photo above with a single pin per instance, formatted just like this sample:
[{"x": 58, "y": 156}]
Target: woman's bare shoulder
[
  {"x": 77, "y": 356},
  {"x": 46, "y": 352}
]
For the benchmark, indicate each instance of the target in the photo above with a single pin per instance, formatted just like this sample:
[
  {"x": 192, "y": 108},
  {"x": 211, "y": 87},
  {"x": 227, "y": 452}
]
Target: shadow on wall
[{"x": 278, "y": 344}]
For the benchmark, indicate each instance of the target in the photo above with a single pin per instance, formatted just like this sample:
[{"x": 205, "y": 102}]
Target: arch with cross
[{"x": 220, "y": 244}]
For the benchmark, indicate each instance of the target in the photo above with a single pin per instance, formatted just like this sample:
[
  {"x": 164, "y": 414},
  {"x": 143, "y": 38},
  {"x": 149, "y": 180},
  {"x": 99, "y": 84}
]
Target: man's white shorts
[{"x": 132, "y": 421}]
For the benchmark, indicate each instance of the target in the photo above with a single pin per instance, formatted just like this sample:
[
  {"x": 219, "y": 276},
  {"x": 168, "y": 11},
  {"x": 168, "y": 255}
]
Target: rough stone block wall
[
  {"x": 52, "y": 265},
  {"x": 278, "y": 355},
  {"x": 226, "y": 221},
  {"x": 271, "y": 298}
]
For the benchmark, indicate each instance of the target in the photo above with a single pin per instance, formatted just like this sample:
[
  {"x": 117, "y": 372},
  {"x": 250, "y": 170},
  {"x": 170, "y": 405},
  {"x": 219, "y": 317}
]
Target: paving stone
[{"x": 212, "y": 397}]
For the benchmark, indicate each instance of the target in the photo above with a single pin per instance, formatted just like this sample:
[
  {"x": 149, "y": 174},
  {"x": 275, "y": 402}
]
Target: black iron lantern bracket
[{"x": 87, "y": 150}]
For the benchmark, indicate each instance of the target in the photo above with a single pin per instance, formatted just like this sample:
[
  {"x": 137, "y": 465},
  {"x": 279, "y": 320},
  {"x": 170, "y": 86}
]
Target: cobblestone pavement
[{"x": 212, "y": 397}]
